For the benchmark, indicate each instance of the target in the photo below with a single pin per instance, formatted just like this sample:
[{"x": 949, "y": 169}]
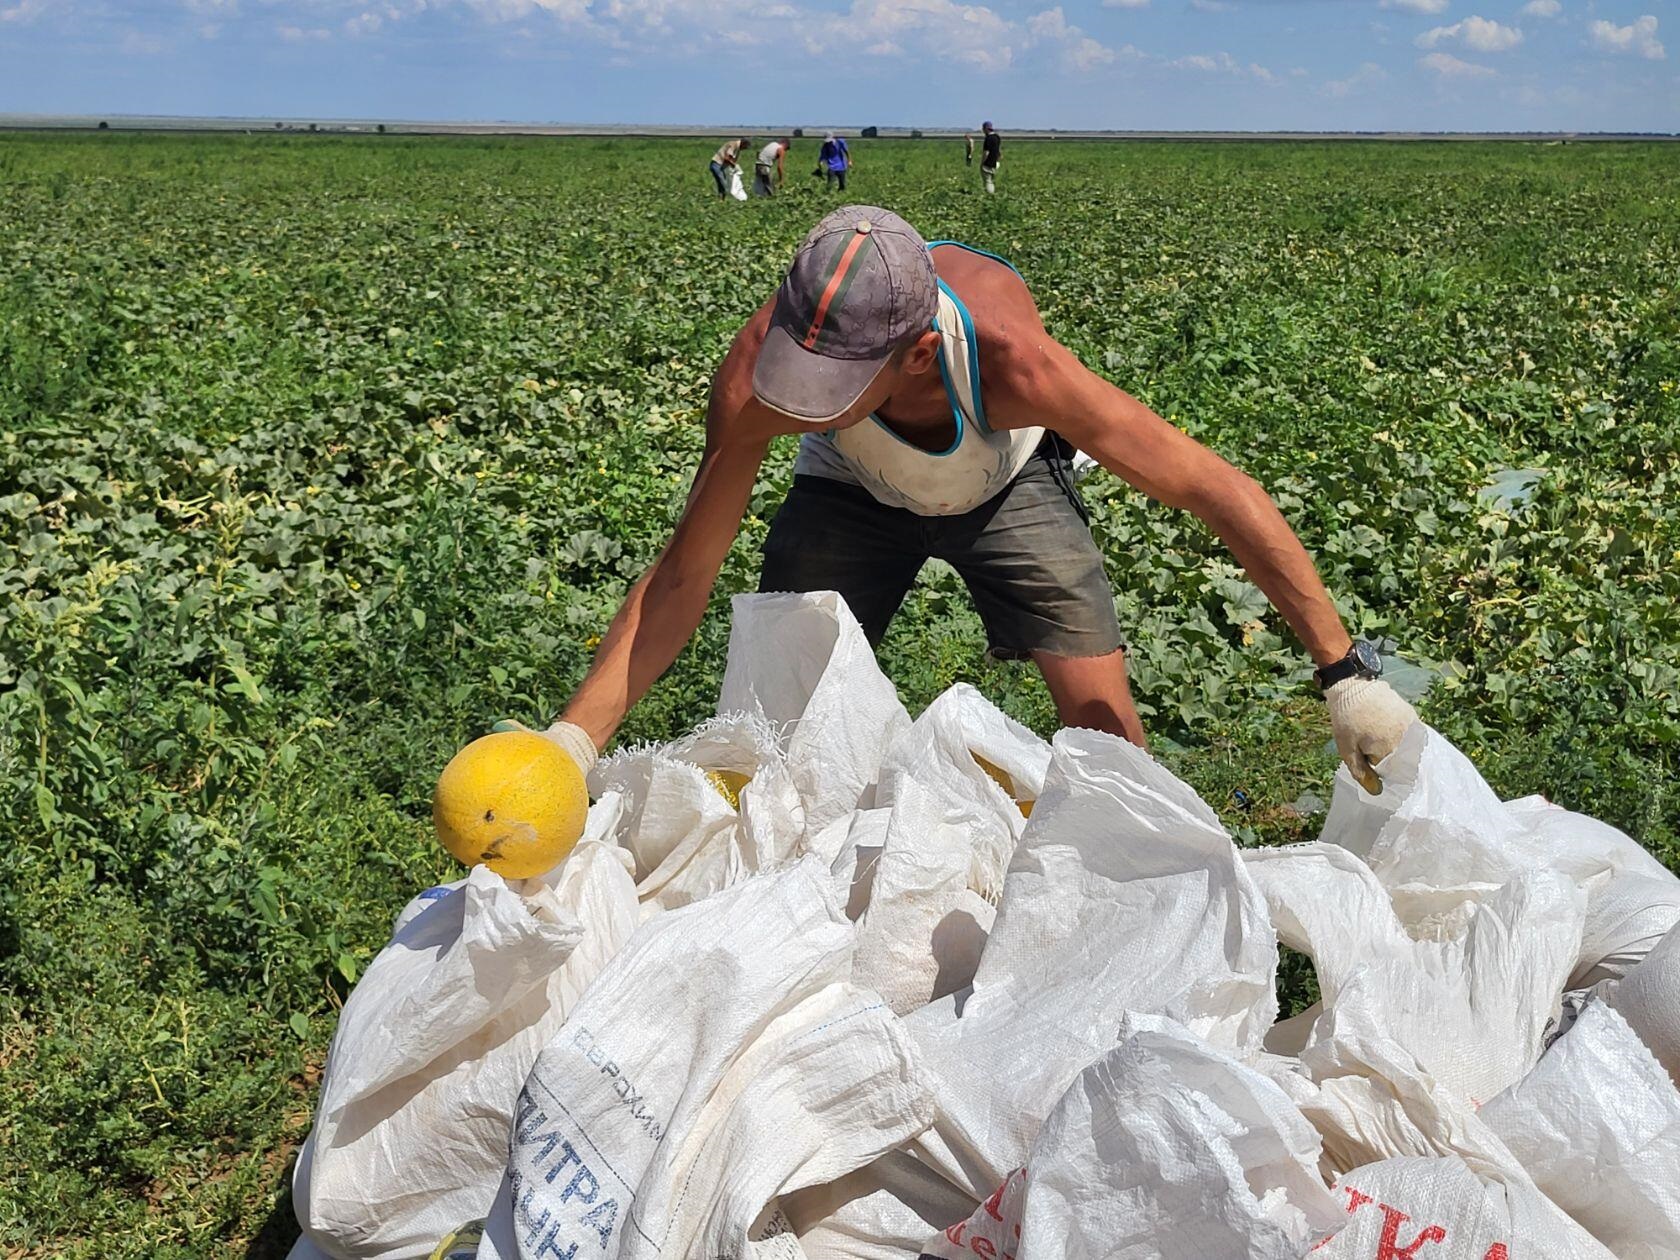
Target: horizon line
[{"x": 629, "y": 130}]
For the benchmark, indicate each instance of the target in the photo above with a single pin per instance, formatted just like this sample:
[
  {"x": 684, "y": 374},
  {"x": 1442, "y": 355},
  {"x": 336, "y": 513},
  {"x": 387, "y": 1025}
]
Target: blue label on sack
[{"x": 566, "y": 1196}]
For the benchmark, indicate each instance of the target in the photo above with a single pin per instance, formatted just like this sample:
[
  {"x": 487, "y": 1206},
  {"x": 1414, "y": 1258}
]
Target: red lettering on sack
[
  {"x": 1388, "y": 1246},
  {"x": 992, "y": 1204},
  {"x": 1497, "y": 1252},
  {"x": 955, "y": 1232},
  {"x": 983, "y": 1248}
]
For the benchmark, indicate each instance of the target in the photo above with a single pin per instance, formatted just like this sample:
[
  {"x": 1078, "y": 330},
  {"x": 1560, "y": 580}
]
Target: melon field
[{"x": 320, "y": 454}]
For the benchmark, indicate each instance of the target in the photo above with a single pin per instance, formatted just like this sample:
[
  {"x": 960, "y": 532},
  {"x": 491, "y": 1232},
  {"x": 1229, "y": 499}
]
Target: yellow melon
[
  {"x": 1004, "y": 780},
  {"x": 460, "y": 1244},
  {"x": 729, "y": 784},
  {"x": 511, "y": 800}
]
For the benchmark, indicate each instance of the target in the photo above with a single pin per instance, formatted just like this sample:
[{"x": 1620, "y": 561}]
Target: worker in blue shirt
[{"x": 835, "y": 160}]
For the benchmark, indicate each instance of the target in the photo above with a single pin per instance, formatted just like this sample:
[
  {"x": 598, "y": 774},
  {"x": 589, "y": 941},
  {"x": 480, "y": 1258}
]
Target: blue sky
[{"x": 1148, "y": 64}]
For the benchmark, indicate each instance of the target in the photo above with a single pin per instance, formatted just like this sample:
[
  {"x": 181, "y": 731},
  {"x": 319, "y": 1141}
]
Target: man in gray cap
[{"x": 873, "y": 351}]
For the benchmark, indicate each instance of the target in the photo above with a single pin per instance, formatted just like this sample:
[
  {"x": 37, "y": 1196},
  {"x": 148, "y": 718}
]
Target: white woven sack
[
  {"x": 1419, "y": 1208},
  {"x": 1163, "y": 1149},
  {"x": 1124, "y": 894},
  {"x": 411, "y": 1129},
  {"x": 721, "y": 1060},
  {"x": 1438, "y": 839},
  {"x": 804, "y": 664},
  {"x": 1597, "y": 1125},
  {"x": 687, "y": 838},
  {"x": 1470, "y": 1003}
]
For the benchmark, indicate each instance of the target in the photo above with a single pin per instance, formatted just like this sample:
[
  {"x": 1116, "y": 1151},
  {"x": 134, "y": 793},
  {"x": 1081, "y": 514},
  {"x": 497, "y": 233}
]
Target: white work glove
[
  {"x": 572, "y": 740},
  {"x": 1368, "y": 718}
]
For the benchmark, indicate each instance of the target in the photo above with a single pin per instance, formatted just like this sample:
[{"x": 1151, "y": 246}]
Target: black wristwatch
[{"x": 1361, "y": 661}]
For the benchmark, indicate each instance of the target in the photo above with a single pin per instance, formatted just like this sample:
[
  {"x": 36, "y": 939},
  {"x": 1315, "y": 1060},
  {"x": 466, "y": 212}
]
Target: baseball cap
[{"x": 860, "y": 285}]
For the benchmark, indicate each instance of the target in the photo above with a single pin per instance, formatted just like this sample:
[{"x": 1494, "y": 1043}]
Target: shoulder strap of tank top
[
  {"x": 969, "y": 334},
  {"x": 978, "y": 405},
  {"x": 962, "y": 402},
  {"x": 984, "y": 253}
]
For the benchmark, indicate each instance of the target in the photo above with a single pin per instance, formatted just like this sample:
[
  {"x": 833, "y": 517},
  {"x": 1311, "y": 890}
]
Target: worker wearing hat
[{"x": 937, "y": 418}]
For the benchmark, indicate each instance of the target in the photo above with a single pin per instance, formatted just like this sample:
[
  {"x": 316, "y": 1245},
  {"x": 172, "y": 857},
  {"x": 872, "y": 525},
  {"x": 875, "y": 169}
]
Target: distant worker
[
  {"x": 990, "y": 155},
  {"x": 772, "y": 156},
  {"x": 968, "y": 148},
  {"x": 723, "y": 161},
  {"x": 834, "y": 160}
]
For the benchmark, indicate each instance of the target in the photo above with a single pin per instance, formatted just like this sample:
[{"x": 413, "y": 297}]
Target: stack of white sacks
[{"x": 879, "y": 1012}]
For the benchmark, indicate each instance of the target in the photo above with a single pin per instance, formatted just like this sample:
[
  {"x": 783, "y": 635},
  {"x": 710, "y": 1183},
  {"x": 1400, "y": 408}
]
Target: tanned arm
[
  {"x": 664, "y": 608},
  {"x": 1045, "y": 383}
]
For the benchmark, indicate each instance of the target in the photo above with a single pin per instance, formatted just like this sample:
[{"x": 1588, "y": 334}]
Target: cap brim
[{"x": 808, "y": 386}]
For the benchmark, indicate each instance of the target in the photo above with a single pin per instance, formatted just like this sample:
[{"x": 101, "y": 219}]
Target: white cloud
[
  {"x": 946, "y": 30},
  {"x": 1221, "y": 62},
  {"x": 1638, "y": 38},
  {"x": 1297, "y": 72},
  {"x": 1368, "y": 74},
  {"x": 1542, "y": 8},
  {"x": 1050, "y": 24},
  {"x": 570, "y": 11},
  {"x": 1224, "y": 63},
  {"x": 980, "y": 34},
  {"x": 23, "y": 11},
  {"x": 1450, "y": 67},
  {"x": 1087, "y": 54},
  {"x": 1416, "y": 6},
  {"x": 969, "y": 34},
  {"x": 1479, "y": 33},
  {"x": 1079, "y": 50}
]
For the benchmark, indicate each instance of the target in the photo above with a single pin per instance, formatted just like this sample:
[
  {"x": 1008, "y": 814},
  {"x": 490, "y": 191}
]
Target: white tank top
[{"x": 980, "y": 462}]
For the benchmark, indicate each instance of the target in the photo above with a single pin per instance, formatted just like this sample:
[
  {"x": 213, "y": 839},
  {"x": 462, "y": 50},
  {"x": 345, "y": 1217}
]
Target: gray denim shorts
[{"x": 1027, "y": 557}]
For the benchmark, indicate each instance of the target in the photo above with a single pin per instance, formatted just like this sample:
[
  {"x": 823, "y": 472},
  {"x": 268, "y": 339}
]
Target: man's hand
[
  {"x": 1369, "y": 719},
  {"x": 571, "y": 739}
]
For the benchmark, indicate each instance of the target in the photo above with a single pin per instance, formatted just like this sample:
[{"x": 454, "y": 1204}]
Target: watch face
[{"x": 1365, "y": 652}]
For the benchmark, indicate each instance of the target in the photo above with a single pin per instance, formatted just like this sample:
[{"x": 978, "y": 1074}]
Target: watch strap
[{"x": 1350, "y": 666}]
